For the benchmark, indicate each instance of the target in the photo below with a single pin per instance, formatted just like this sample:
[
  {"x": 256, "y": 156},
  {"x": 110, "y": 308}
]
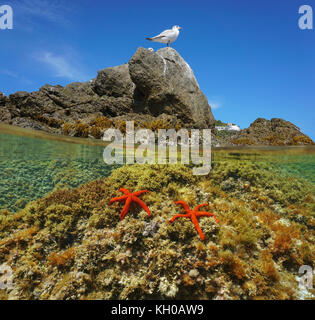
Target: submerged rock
[{"x": 72, "y": 245}]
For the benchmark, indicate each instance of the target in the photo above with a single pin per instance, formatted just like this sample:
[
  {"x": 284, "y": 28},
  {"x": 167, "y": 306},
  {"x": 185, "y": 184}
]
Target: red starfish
[
  {"x": 193, "y": 214},
  {"x": 129, "y": 197}
]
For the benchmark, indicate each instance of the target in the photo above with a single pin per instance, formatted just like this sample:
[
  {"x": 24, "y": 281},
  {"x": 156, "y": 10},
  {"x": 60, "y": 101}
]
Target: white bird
[{"x": 167, "y": 36}]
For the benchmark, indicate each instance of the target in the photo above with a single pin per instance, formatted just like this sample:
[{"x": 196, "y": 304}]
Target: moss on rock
[{"x": 71, "y": 244}]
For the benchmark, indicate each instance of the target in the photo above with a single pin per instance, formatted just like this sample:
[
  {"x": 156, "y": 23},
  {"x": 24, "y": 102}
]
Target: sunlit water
[{"x": 32, "y": 164}]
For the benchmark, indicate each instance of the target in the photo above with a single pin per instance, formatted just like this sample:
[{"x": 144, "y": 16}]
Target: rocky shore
[
  {"x": 274, "y": 132},
  {"x": 155, "y": 89}
]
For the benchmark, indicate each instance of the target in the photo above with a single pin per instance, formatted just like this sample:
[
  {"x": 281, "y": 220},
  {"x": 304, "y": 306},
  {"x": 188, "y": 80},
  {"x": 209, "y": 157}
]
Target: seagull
[{"x": 167, "y": 36}]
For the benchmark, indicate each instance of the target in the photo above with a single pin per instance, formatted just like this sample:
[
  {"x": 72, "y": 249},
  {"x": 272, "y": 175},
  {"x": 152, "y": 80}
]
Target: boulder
[
  {"x": 271, "y": 132},
  {"x": 2, "y": 99},
  {"x": 154, "y": 85},
  {"x": 115, "y": 90},
  {"x": 114, "y": 82},
  {"x": 165, "y": 83},
  {"x": 157, "y": 89},
  {"x": 5, "y": 115}
]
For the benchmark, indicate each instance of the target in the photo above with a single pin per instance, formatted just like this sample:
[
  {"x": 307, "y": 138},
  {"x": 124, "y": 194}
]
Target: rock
[
  {"x": 193, "y": 273},
  {"x": 5, "y": 115},
  {"x": 114, "y": 82},
  {"x": 155, "y": 89},
  {"x": 152, "y": 87},
  {"x": 271, "y": 132},
  {"x": 51, "y": 104},
  {"x": 75, "y": 98},
  {"x": 115, "y": 89},
  {"x": 30, "y": 123},
  {"x": 228, "y": 184},
  {"x": 166, "y": 84},
  {"x": 2, "y": 99}
]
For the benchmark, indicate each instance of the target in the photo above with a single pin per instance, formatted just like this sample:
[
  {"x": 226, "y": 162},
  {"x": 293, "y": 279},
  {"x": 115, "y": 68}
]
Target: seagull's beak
[{"x": 180, "y": 28}]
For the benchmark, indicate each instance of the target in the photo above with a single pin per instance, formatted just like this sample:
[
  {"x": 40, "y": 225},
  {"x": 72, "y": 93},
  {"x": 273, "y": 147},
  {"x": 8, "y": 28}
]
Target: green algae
[
  {"x": 31, "y": 168},
  {"x": 63, "y": 240},
  {"x": 266, "y": 232}
]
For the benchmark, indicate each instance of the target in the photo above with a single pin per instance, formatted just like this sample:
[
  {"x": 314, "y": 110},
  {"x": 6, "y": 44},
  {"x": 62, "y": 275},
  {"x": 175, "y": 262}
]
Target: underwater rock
[
  {"x": 72, "y": 245},
  {"x": 228, "y": 184}
]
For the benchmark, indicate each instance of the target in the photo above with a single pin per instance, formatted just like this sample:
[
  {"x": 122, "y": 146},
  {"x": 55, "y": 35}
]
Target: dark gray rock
[
  {"x": 2, "y": 99},
  {"x": 114, "y": 82},
  {"x": 5, "y": 115},
  {"x": 31, "y": 124},
  {"x": 115, "y": 90}
]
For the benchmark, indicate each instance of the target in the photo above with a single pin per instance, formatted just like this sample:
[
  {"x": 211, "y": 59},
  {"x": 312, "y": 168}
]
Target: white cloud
[
  {"x": 9, "y": 73},
  {"x": 63, "y": 66},
  {"x": 215, "y": 102},
  {"x": 27, "y": 11},
  {"x": 15, "y": 75}
]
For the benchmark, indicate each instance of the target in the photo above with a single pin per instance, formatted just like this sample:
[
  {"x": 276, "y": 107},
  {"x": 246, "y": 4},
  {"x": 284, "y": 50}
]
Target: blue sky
[{"x": 249, "y": 56}]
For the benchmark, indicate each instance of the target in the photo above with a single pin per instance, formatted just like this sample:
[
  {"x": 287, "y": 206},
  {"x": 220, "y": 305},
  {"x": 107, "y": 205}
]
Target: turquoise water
[
  {"x": 31, "y": 167},
  {"x": 297, "y": 162}
]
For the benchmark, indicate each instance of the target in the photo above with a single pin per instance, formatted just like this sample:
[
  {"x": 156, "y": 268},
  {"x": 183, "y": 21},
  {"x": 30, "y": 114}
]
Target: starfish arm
[
  {"x": 195, "y": 222},
  {"x": 141, "y": 204},
  {"x": 125, "y": 191},
  {"x": 138, "y": 193},
  {"x": 207, "y": 214},
  {"x": 122, "y": 198},
  {"x": 125, "y": 208},
  {"x": 201, "y": 205},
  {"x": 184, "y": 204},
  {"x": 179, "y": 216},
  {"x": 199, "y": 231}
]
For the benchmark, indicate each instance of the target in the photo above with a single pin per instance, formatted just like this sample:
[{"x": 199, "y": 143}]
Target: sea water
[{"x": 33, "y": 164}]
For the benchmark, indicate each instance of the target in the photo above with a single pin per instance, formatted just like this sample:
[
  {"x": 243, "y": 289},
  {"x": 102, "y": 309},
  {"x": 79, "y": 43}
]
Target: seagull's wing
[
  {"x": 165, "y": 33},
  {"x": 162, "y": 34}
]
